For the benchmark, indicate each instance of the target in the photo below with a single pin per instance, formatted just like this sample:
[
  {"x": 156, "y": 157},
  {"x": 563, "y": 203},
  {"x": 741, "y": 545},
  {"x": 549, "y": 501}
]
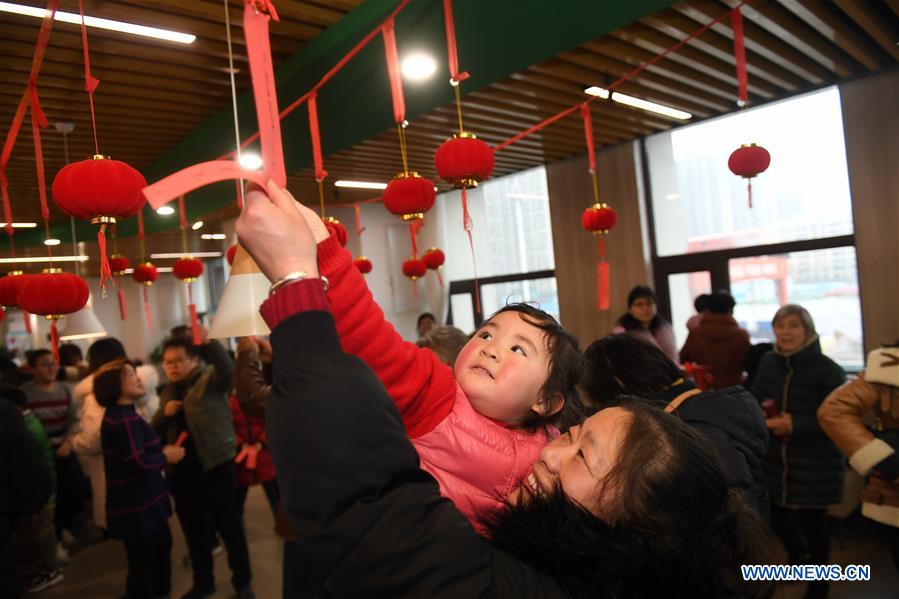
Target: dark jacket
[
  {"x": 734, "y": 422},
  {"x": 137, "y": 500},
  {"x": 721, "y": 344},
  {"x": 24, "y": 476},
  {"x": 205, "y": 408},
  {"x": 371, "y": 522},
  {"x": 806, "y": 468}
]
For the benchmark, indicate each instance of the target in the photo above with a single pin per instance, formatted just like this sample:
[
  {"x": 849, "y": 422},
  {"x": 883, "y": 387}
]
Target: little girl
[
  {"x": 137, "y": 500},
  {"x": 479, "y": 426}
]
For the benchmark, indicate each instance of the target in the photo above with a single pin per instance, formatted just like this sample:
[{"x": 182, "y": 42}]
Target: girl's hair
[
  {"x": 108, "y": 382},
  {"x": 804, "y": 316},
  {"x": 629, "y": 322},
  {"x": 69, "y": 354},
  {"x": 619, "y": 365},
  {"x": 565, "y": 369},
  {"x": 104, "y": 351},
  {"x": 675, "y": 524}
]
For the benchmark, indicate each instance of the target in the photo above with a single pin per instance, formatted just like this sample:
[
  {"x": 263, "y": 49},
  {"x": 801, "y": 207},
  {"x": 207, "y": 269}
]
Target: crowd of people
[{"x": 508, "y": 461}]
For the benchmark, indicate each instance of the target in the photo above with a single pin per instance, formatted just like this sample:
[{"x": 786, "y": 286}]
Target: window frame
[{"x": 473, "y": 288}]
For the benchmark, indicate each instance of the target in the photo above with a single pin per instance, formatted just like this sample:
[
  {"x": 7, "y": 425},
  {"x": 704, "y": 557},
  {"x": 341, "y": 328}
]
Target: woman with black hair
[
  {"x": 642, "y": 320},
  {"x": 621, "y": 366},
  {"x": 629, "y": 503}
]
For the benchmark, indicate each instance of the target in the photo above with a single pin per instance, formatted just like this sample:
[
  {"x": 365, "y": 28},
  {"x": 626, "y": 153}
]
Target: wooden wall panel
[
  {"x": 871, "y": 125},
  {"x": 570, "y": 192}
]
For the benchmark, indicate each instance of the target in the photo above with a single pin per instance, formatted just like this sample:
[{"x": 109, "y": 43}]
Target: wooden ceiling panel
[{"x": 874, "y": 25}]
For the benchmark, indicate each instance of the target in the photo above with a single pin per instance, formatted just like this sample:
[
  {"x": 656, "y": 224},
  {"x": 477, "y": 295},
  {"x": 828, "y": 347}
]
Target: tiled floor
[{"x": 98, "y": 571}]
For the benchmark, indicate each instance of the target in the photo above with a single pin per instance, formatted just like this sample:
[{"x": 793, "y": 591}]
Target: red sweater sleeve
[{"x": 422, "y": 387}]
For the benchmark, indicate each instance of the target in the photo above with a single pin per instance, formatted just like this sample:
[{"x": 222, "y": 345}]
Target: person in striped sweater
[{"x": 138, "y": 505}]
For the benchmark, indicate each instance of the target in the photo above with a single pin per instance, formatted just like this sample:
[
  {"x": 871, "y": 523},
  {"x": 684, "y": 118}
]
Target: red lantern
[
  {"x": 599, "y": 219},
  {"x": 434, "y": 258},
  {"x": 464, "y": 160},
  {"x": 748, "y": 161},
  {"x": 336, "y": 229},
  {"x": 100, "y": 190},
  {"x": 9, "y": 288},
  {"x": 414, "y": 268},
  {"x": 230, "y": 255},
  {"x": 145, "y": 274},
  {"x": 363, "y": 264},
  {"x": 53, "y": 294},
  {"x": 118, "y": 264},
  {"x": 409, "y": 195},
  {"x": 187, "y": 269}
]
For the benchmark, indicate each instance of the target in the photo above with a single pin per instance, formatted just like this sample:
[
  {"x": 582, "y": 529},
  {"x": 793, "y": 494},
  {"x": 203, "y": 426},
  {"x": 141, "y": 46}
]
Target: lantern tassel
[
  {"x": 194, "y": 321},
  {"x": 147, "y": 309},
  {"x": 602, "y": 278},
  {"x": 54, "y": 340},
  {"x": 123, "y": 306},
  {"x": 414, "y": 289},
  {"x": 439, "y": 278},
  {"x": 749, "y": 191},
  {"x": 466, "y": 224},
  {"x": 105, "y": 270},
  {"x": 27, "y": 317}
]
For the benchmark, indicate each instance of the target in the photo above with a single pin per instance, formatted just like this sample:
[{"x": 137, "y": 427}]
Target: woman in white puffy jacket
[{"x": 86, "y": 442}]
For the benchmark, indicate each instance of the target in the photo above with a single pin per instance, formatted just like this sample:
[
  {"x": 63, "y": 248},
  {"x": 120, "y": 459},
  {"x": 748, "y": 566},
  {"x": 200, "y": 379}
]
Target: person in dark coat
[
  {"x": 628, "y": 503},
  {"x": 804, "y": 468},
  {"x": 718, "y": 342},
  {"x": 620, "y": 366}
]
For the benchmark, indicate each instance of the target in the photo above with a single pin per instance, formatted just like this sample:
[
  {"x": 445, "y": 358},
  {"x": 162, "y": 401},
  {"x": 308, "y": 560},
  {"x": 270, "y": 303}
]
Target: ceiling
[{"x": 161, "y": 107}]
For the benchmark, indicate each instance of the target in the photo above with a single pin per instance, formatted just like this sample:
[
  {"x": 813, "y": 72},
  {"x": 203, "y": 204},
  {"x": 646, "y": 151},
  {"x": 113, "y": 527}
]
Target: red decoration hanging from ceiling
[
  {"x": 414, "y": 268},
  {"x": 9, "y": 288},
  {"x": 146, "y": 274},
  {"x": 336, "y": 228},
  {"x": 434, "y": 259},
  {"x": 409, "y": 196},
  {"x": 53, "y": 294},
  {"x": 748, "y": 161},
  {"x": 363, "y": 264},
  {"x": 118, "y": 264}
]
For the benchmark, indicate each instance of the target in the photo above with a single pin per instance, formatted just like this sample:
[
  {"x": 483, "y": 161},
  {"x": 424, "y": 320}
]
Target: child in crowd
[
  {"x": 137, "y": 501},
  {"x": 35, "y": 534},
  {"x": 479, "y": 426},
  {"x": 52, "y": 404}
]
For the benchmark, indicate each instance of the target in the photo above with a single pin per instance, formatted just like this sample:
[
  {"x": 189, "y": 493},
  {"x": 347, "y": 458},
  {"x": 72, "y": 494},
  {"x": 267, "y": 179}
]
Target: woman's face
[
  {"x": 579, "y": 461},
  {"x": 132, "y": 386},
  {"x": 790, "y": 333},
  {"x": 643, "y": 309}
]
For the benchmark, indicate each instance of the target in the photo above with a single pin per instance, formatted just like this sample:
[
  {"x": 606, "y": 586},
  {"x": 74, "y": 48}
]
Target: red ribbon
[
  {"x": 90, "y": 82},
  {"x": 602, "y": 277},
  {"x": 181, "y": 438},
  {"x": 588, "y": 135},
  {"x": 147, "y": 309},
  {"x": 466, "y": 224},
  {"x": 38, "y": 122},
  {"x": 105, "y": 270},
  {"x": 54, "y": 340},
  {"x": 182, "y": 213},
  {"x": 140, "y": 226},
  {"x": 315, "y": 134},
  {"x": 194, "y": 320},
  {"x": 123, "y": 306},
  {"x": 456, "y": 76},
  {"x": 359, "y": 227},
  {"x": 239, "y": 195},
  {"x": 413, "y": 230},
  {"x": 736, "y": 21},
  {"x": 393, "y": 71},
  {"x": 27, "y": 317}
]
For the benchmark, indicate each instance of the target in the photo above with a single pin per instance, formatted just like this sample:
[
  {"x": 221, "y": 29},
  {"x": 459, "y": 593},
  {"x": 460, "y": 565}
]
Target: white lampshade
[
  {"x": 237, "y": 314},
  {"x": 83, "y": 324}
]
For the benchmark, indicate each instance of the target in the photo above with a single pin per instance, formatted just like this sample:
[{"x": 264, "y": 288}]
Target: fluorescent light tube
[
  {"x": 36, "y": 259},
  {"x": 360, "y": 184},
  {"x": 638, "y": 103},
  {"x": 186, "y": 255}
]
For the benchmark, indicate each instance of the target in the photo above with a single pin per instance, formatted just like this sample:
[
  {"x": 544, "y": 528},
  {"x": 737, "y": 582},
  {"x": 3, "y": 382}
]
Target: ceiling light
[
  {"x": 418, "y": 66},
  {"x": 251, "y": 161},
  {"x": 209, "y": 236},
  {"x": 197, "y": 225},
  {"x": 638, "y": 103},
  {"x": 35, "y": 259},
  {"x": 21, "y": 225},
  {"x": 165, "y": 211},
  {"x": 360, "y": 184},
  {"x": 67, "y": 17},
  {"x": 186, "y": 255},
  {"x": 129, "y": 271},
  {"x": 52, "y": 241}
]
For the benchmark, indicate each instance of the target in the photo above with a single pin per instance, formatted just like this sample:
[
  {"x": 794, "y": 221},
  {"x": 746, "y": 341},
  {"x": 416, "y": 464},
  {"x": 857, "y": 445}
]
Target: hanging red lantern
[
  {"x": 118, "y": 264},
  {"x": 146, "y": 274},
  {"x": 414, "y": 268},
  {"x": 100, "y": 190},
  {"x": 9, "y": 288},
  {"x": 748, "y": 161},
  {"x": 336, "y": 229},
  {"x": 599, "y": 219},
  {"x": 464, "y": 160},
  {"x": 187, "y": 269},
  {"x": 409, "y": 196},
  {"x": 434, "y": 259},
  {"x": 363, "y": 264},
  {"x": 230, "y": 254},
  {"x": 53, "y": 294}
]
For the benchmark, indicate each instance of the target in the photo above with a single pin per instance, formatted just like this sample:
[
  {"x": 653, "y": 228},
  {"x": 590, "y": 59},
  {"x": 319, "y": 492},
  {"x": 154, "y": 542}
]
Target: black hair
[
  {"x": 182, "y": 330},
  {"x": 37, "y": 354},
  {"x": 422, "y": 316},
  {"x": 190, "y": 349},
  {"x": 69, "y": 354},
  {"x": 108, "y": 382},
  {"x": 619, "y": 365},
  {"x": 13, "y": 394},
  {"x": 675, "y": 525},
  {"x": 701, "y": 303},
  {"x": 629, "y": 322},
  {"x": 559, "y": 392},
  {"x": 104, "y": 351},
  {"x": 721, "y": 302}
]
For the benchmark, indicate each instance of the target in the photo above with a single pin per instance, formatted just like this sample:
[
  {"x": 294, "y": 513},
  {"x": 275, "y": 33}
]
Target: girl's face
[
  {"x": 503, "y": 368},
  {"x": 790, "y": 333},
  {"x": 643, "y": 309},
  {"x": 580, "y": 460},
  {"x": 132, "y": 386}
]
